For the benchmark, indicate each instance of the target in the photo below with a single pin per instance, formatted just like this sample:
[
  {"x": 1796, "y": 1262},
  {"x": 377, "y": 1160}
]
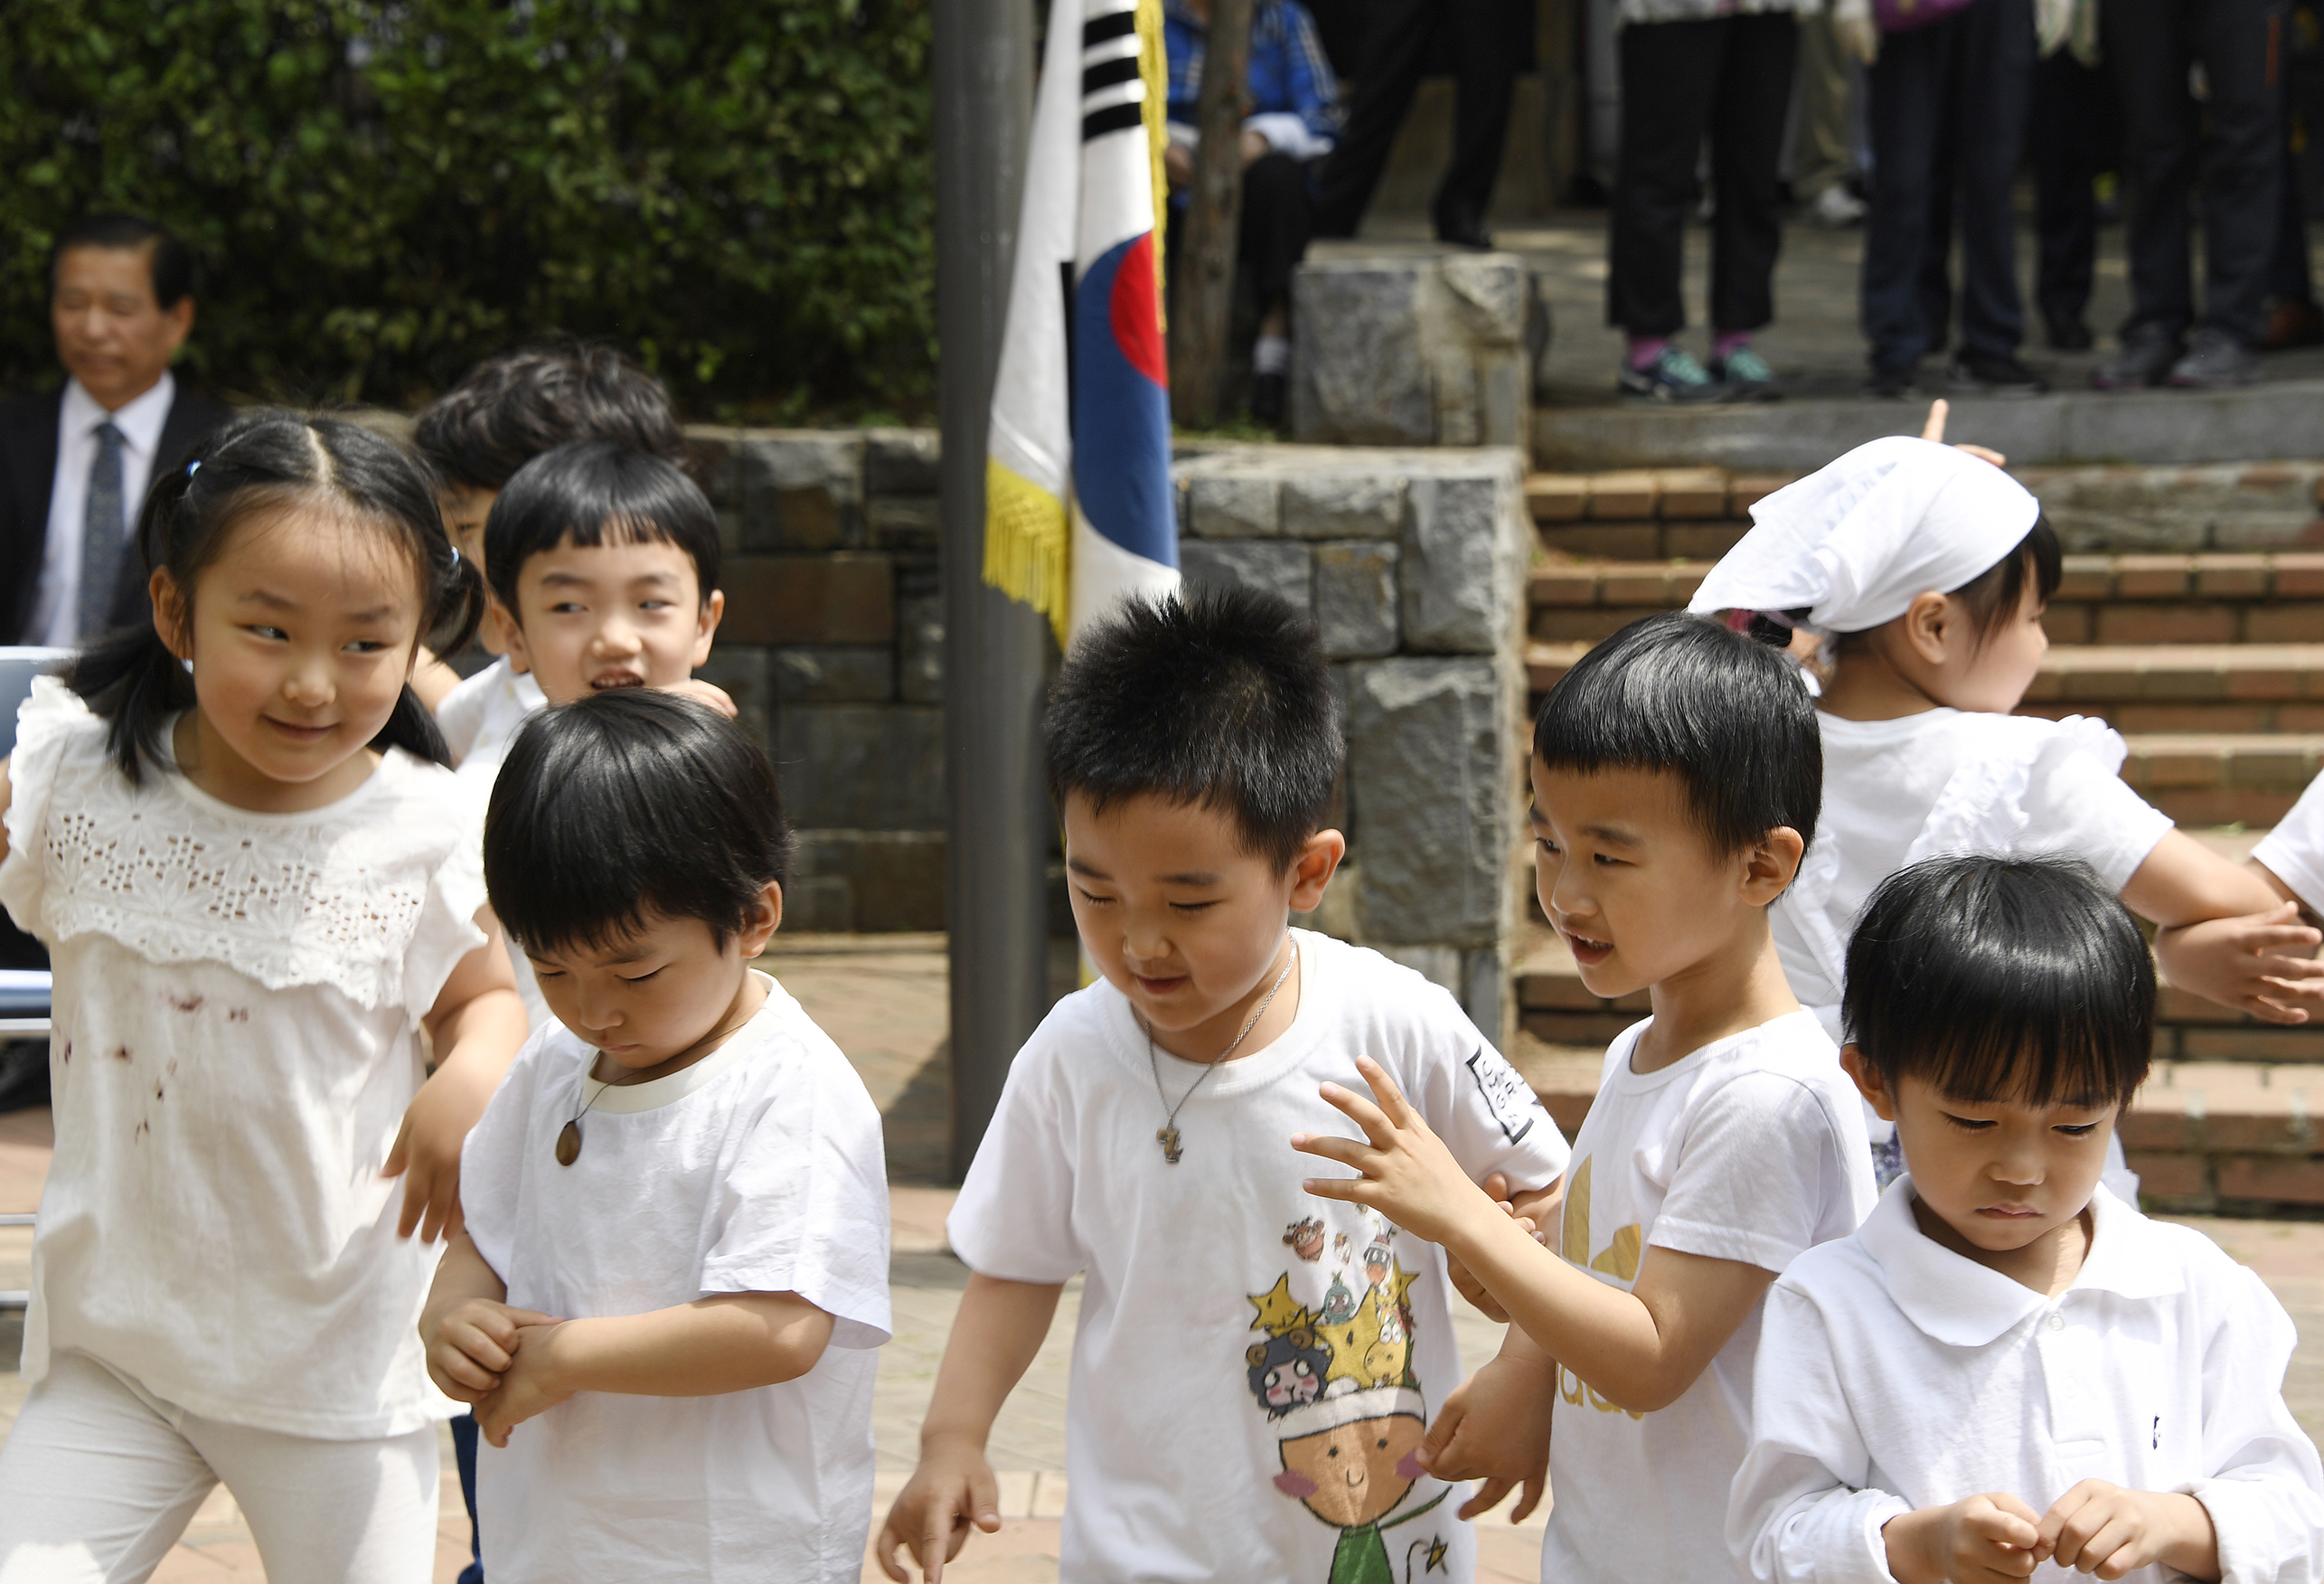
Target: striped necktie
[{"x": 103, "y": 534}]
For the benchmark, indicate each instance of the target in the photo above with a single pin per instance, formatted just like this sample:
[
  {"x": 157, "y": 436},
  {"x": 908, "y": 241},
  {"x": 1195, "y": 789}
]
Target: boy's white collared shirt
[{"x": 1894, "y": 1375}]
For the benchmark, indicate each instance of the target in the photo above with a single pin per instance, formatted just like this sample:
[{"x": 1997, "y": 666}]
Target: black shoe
[
  {"x": 1992, "y": 373},
  {"x": 1268, "y": 393},
  {"x": 2144, "y": 359},
  {"x": 2215, "y": 360},
  {"x": 1890, "y": 385},
  {"x": 1461, "y": 228},
  {"x": 2070, "y": 334}
]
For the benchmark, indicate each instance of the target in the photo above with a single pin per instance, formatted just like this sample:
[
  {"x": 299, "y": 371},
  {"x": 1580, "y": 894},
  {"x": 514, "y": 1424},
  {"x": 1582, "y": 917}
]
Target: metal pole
[{"x": 993, "y": 653}]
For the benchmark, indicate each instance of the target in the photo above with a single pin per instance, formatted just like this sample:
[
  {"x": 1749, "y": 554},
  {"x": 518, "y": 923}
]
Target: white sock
[{"x": 1271, "y": 355}]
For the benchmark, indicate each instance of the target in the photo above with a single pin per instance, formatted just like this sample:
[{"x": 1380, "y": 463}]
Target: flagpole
[{"x": 998, "y": 811}]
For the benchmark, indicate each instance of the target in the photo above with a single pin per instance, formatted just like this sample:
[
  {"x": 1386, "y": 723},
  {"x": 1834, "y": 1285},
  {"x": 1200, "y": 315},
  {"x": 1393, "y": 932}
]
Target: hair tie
[
  {"x": 193, "y": 468},
  {"x": 456, "y": 558}
]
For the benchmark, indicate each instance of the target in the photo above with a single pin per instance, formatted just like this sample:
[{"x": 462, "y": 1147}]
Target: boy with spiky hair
[{"x": 1251, "y": 1375}]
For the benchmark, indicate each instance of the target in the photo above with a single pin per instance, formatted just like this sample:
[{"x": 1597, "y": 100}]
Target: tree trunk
[{"x": 1205, "y": 264}]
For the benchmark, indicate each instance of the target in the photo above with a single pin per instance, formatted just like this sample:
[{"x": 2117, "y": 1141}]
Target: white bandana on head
[{"x": 1856, "y": 542}]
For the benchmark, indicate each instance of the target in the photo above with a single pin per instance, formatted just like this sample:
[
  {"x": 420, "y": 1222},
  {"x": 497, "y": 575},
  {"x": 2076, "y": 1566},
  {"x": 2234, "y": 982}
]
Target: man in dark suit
[{"x": 75, "y": 462}]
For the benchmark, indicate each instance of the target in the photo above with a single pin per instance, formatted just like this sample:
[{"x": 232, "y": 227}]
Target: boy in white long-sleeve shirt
[{"x": 2007, "y": 1371}]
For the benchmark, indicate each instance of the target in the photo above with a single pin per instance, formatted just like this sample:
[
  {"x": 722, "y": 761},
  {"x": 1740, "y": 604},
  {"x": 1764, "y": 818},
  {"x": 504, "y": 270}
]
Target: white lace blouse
[{"x": 237, "y": 1015}]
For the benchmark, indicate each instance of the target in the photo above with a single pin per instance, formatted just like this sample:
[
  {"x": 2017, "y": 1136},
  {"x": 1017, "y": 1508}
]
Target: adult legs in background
[
  {"x": 465, "y": 1437},
  {"x": 1991, "y": 86},
  {"x": 2070, "y": 126},
  {"x": 1906, "y": 89},
  {"x": 1486, "y": 49},
  {"x": 1669, "y": 76},
  {"x": 2241, "y": 44},
  {"x": 1822, "y": 158},
  {"x": 1273, "y": 241},
  {"x": 1396, "y": 49},
  {"x": 97, "y": 1484},
  {"x": 1753, "y": 90}
]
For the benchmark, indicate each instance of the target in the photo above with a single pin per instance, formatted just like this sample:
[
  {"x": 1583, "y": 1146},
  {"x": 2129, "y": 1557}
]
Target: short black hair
[
  {"x": 599, "y": 494},
  {"x": 1216, "y": 697},
  {"x": 510, "y": 408},
  {"x": 171, "y": 265},
  {"x": 1681, "y": 694},
  {"x": 626, "y": 807},
  {"x": 1995, "y": 979}
]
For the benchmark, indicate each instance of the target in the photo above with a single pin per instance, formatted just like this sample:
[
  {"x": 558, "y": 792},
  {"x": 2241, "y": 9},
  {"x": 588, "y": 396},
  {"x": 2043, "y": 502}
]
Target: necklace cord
[{"x": 1170, "y": 1122}]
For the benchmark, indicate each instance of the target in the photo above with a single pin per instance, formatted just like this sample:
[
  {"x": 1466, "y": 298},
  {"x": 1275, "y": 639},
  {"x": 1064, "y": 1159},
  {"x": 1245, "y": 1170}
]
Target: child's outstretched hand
[
  {"x": 953, "y": 1488},
  {"x": 2102, "y": 1529},
  {"x": 474, "y": 1345},
  {"x": 1408, "y": 1175},
  {"x": 427, "y": 1153},
  {"x": 2262, "y": 963},
  {"x": 1979, "y": 1540},
  {"x": 1495, "y": 1428},
  {"x": 704, "y": 693},
  {"x": 528, "y": 1384}
]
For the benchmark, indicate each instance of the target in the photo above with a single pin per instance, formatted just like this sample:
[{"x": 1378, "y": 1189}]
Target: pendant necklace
[
  {"x": 1167, "y": 1135},
  {"x": 569, "y": 1138}
]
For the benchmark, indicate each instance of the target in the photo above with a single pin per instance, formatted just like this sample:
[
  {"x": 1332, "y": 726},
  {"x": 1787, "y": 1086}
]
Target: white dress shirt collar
[
  {"x": 139, "y": 420},
  {"x": 1959, "y": 1302}
]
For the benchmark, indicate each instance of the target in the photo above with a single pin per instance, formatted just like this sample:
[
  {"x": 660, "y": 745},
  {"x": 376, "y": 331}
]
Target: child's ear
[
  {"x": 1927, "y": 625},
  {"x": 1312, "y": 871},
  {"x": 765, "y": 919},
  {"x": 173, "y": 617},
  {"x": 706, "y": 626},
  {"x": 1771, "y": 864},
  {"x": 1869, "y": 1081}
]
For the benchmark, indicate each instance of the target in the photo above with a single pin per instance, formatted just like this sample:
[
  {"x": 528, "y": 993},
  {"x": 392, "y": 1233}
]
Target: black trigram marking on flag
[{"x": 1112, "y": 67}]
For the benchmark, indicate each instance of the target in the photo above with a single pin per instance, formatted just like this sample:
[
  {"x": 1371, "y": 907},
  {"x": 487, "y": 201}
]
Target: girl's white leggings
[{"x": 98, "y": 1480}]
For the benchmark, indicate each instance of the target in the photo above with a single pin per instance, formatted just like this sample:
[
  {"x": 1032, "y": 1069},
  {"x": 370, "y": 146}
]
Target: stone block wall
[
  {"x": 833, "y": 645},
  {"x": 1415, "y": 347},
  {"x": 1413, "y": 563}
]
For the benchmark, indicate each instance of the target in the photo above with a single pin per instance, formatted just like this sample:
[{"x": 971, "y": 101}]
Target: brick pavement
[{"x": 884, "y": 1000}]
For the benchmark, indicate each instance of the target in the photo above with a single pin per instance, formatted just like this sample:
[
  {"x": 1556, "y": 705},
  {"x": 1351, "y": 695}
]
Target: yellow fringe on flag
[
  {"x": 1026, "y": 543},
  {"x": 1153, "y": 70}
]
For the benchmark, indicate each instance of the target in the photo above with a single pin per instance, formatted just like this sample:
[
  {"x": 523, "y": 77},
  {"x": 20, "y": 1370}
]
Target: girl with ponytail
[{"x": 260, "y": 887}]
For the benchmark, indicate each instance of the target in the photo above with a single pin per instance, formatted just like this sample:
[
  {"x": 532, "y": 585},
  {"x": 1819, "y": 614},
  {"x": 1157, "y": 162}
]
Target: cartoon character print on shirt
[
  {"x": 1335, "y": 1382},
  {"x": 1619, "y": 1260}
]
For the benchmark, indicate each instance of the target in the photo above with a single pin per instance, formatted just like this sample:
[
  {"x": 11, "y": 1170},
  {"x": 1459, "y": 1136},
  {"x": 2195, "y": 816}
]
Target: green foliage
[{"x": 380, "y": 192}]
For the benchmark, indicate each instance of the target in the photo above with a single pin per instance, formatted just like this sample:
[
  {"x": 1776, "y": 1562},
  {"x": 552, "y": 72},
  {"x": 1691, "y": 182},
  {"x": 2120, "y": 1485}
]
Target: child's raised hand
[
  {"x": 2261, "y": 963},
  {"x": 953, "y": 1488},
  {"x": 528, "y": 1383},
  {"x": 1979, "y": 1540},
  {"x": 474, "y": 1345},
  {"x": 1495, "y": 1428},
  {"x": 2102, "y": 1529},
  {"x": 703, "y": 693},
  {"x": 1408, "y": 1175}
]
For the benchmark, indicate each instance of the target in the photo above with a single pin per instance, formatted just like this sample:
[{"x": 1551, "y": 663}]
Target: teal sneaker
[
  {"x": 1747, "y": 377},
  {"x": 1673, "y": 376}
]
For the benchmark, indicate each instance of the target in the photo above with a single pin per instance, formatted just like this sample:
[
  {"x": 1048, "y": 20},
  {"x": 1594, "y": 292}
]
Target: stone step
[
  {"x": 2237, "y": 1137},
  {"x": 2214, "y": 597}
]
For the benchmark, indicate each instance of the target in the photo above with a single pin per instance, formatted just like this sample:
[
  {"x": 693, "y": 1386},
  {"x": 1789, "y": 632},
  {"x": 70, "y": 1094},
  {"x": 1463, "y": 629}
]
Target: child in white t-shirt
[
  {"x": 259, "y": 885},
  {"x": 2007, "y": 1369},
  {"x": 667, "y": 1303},
  {"x": 1926, "y": 570},
  {"x": 1674, "y": 771},
  {"x": 1253, "y": 1372}
]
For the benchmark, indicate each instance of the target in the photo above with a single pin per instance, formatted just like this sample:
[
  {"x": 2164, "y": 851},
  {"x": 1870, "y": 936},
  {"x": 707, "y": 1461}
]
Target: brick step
[
  {"x": 1556, "y": 1008},
  {"x": 2216, "y": 597},
  {"x": 2204, "y": 1136}
]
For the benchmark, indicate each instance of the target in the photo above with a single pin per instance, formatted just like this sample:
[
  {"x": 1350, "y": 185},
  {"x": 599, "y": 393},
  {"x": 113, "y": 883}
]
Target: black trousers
[
  {"x": 2073, "y": 132},
  {"x": 1483, "y": 35},
  {"x": 1948, "y": 118},
  {"x": 1727, "y": 78},
  {"x": 1273, "y": 237},
  {"x": 2241, "y": 45}
]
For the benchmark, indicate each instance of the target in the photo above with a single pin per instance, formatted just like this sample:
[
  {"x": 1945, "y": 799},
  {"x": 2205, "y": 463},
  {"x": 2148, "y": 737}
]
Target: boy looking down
[{"x": 1253, "y": 1370}]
